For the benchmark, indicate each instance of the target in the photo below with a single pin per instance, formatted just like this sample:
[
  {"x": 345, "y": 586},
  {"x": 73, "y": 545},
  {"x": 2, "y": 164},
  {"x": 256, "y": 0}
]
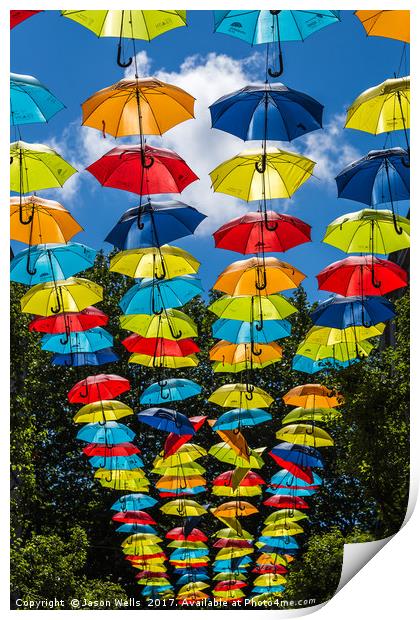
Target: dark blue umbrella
[
  {"x": 166, "y": 420},
  {"x": 154, "y": 224},
  {"x": 104, "y": 356},
  {"x": 304, "y": 456},
  {"x": 267, "y": 111},
  {"x": 342, "y": 312}
]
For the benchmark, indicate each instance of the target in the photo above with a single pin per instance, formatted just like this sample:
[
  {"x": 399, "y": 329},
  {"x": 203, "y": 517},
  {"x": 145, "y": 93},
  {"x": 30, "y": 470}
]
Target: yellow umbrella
[
  {"x": 312, "y": 395},
  {"x": 390, "y": 24},
  {"x": 142, "y": 539},
  {"x": 272, "y": 558},
  {"x": 186, "y": 468},
  {"x": 282, "y": 173},
  {"x": 232, "y": 534},
  {"x": 247, "y": 277},
  {"x": 238, "y": 508},
  {"x": 140, "y": 548},
  {"x": 240, "y": 395},
  {"x": 153, "y": 581},
  {"x": 187, "y": 544},
  {"x": 241, "y": 366},
  {"x": 185, "y": 454},
  {"x": 331, "y": 335},
  {"x": 103, "y": 410},
  {"x": 195, "y": 586},
  {"x": 285, "y": 515},
  {"x": 183, "y": 508},
  {"x": 123, "y": 479},
  {"x": 171, "y": 324},
  {"x": 137, "y": 106},
  {"x": 223, "y": 452},
  {"x": 229, "y": 353},
  {"x": 252, "y": 307},
  {"x": 383, "y": 108},
  {"x": 49, "y": 221},
  {"x": 305, "y": 434},
  {"x": 166, "y": 361},
  {"x": 315, "y": 415},
  {"x": 167, "y": 261},
  {"x": 230, "y": 552},
  {"x": 270, "y": 579},
  {"x": 71, "y": 295},
  {"x": 284, "y": 529},
  {"x": 244, "y": 491},
  {"x": 342, "y": 351},
  {"x": 193, "y": 596}
]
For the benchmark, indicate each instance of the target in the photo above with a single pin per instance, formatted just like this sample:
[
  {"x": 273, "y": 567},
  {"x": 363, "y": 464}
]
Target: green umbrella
[
  {"x": 316, "y": 415},
  {"x": 252, "y": 308}
]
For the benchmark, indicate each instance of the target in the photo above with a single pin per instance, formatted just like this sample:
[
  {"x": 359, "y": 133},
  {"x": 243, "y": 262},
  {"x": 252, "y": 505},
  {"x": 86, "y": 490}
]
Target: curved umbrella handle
[
  {"x": 162, "y": 275},
  {"x": 267, "y": 225},
  {"x": 84, "y": 395},
  {"x": 375, "y": 283},
  {"x": 366, "y": 325},
  {"x": 120, "y": 61},
  {"x": 57, "y": 309},
  {"x": 272, "y": 72},
  {"x": 260, "y": 286},
  {"x": 176, "y": 336},
  {"x": 30, "y": 218},
  {"x": 261, "y": 166},
  {"x": 397, "y": 228},
  {"x": 65, "y": 340},
  {"x": 30, "y": 271},
  {"x": 154, "y": 310},
  {"x": 109, "y": 479},
  {"x": 147, "y": 161},
  {"x": 259, "y": 326},
  {"x": 140, "y": 224},
  {"x": 255, "y": 351}
]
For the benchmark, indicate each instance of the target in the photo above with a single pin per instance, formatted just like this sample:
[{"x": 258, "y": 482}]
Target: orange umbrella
[
  {"x": 312, "y": 396},
  {"x": 35, "y": 220},
  {"x": 261, "y": 354},
  {"x": 390, "y": 24},
  {"x": 248, "y": 277},
  {"x": 236, "y": 508},
  {"x": 180, "y": 482},
  {"x": 235, "y": 440}
]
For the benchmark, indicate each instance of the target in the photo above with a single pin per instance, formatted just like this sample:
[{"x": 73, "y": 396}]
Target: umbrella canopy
[
  {"x": 98, "y": 387},
  {"x": 117, "y": 462},
  {"x": 318, "y": 414},
  {"x": 238, "y": 418},
  {"x": 123, "y": 479},
  {"x": 305, "y": 434},
  {"x": 166, "y": 420},
  {"x": 66, "y": 322},
  {"x": 49, "y": 221},
  {"x": 331, "y": 335},
  {"x": 226, "y": 454},
  {"x": 341, "y": 352},
  {"x": 151, "y": 296},
  {"x": 379, "y": 177},
  {"x": 171, "y": 390},
  {"x": 44, "y": 168},
  {"x": 108, "y": 433},
  {"x": 164, "y": 361},
  {"x": 154, "y": 224},
  {"x": 285, "y": 516},
  {"x": 31, "y": 101},
  {"x": 282, "y": 173},
  {"x": 233, "y": 395},
  {"x": 382, "y": 108},
  {"x": 183, "y": 508},
  {"x": 71, "y": 295},
  {"x": 228, "y": 353},
  {"x": 286, "y": 501},
  {"x": 160, "y": 347},
  {"x": 247, "y": 277},
  {"x": 226, "y": 479},
  {"x": 262, "y": 232},
  {"x": 97, "y": 358},
  {"x": 89, "y": 341},
  {"x": 172, "y": 325},
  {"x": 178, "y": 533},
  {"x": 142, "y": 170},
  {"x": 325, "y": 364},
  {"x": 244, "y": 331},
  {"x": 369, "y": 230},
  {"x": 252, "y": 307},
  {"x": 341, "y": 312},
  {"x": 390, "y": 24},
  {"x": 284, "y": 478},
  {"x": 137, "y": 106},
  {"x": 133, "y": 502},
  {"x": 312, "y": 395},
  {"x": 123, "y": 449},
  {"x": 266, "y": 111},
  {"x": 237, "y": 508},
  {"x": 185, "y": 454},
  {"x": 165, "y": 262},
  {"x": 362, "y": 275},
  {"x": 102, "y": 411},
  {"x": 134, "y": 516}
]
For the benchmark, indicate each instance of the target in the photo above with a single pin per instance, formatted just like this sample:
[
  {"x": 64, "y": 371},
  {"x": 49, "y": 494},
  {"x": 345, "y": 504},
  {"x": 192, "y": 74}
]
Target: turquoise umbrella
[
  {"x": 31, "y": 101},
  {"x": 239, "y": 332},
  {"x": 50, "y": 261},
  {"x": 117, "y": 462},
  {"x": 133, "y": 501},
  {"x": 169, "y": 390},
  {"x": 89, "y": 341},
  {"x": 237, "y": 418},
  {"x": 151, "y": 296},
  {"x": 109, "y": 433}
]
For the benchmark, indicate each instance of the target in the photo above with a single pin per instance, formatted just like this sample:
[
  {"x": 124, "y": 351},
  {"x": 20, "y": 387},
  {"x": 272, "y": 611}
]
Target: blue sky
[{"x": 333, "y": 66}]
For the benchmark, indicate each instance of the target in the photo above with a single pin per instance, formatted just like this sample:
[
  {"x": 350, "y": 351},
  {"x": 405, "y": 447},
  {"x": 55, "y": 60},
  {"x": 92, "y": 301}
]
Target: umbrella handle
[
  {"x": 140, "y": 224},
  {"x": 57, "y": 309},
  {"x": 174, "y": 335},
  {"x": 30, "y": 218},
  {"x": 271, "y": 72},
  {"x": 261, "y": 166},
  {"x": 155, "y": 312},
  {"x": 83, "y": 395},
  {"x": 260, "y": 286},
  {"x": 397, "y": 228},
  {"x": 109, "y": 479},
  {"x": 255, "y": 351},
  {"x": 120, "y": 61},
  {"x": 147, "y": 161},
  {"x": 30, "y": 271},
  {"x": 162, "y": 275},
  {"x": 267, "y": 225},
  {"x": 375, "y": 283},
  {"x": 66, "y": 339},
  {"x": 259, "y": 326}
]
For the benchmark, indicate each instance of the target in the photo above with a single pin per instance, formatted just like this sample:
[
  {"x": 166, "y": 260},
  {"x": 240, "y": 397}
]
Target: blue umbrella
[
  {"x": 166, "y": 420},
  {"x": 310, "y": 366},
  {"x": 151, "y": 296},
  {"x": 153, "y": 592},
  {"x": 133, "y": 501},
  {"x": 219, "y": 566},
  {"x": 117, "y": 462},
  {"x": 304, "y": 456},
  {"x": 50, "y": 261},
  {"x": 278, "y": 542},
  {"x": 109, "y": 433},
  {"x": 189, "y": 491},
  {"x": 242, "y": 331},
  {"x": 285, "y": 478},
  {"x": 266, "y": 111},
  {"x": 89, "y": 341},
  {"x": 192, "y": 576},
  {"x": 136, "y": 528},
  {"x": 104, "y": 356},
  {"x": 30, "y": 101},
  {"x": 154, "y": 224},
  {"x": 342, "y": 312},
  {"x": 169, "y": 390},
  {"x": 291, "y": 491},
  {"x": 185, "y": 553},
  {"x": 264, "y": 589},
  {"x": 236, "y": 418},
  {"x": 272, "y": 26}
]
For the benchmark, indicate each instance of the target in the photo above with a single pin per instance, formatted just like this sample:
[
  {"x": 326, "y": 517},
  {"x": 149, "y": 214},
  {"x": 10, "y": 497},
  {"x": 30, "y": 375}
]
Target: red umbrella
[
  {"x": 222, "y": 543},
  {"x": 150, "y": 574},
  {"x": 16, "y": 17},
  {"x": 263, "y": 569},
  {"x": 69, "y": 321},
  {"x": 177, "y": 533},
  {"x": 249, "y": 480},
  {"x": 286, "y": 501},
  {"x": 143, "y": 559},
  {"x": 158, "y": 347},
  {"x": 250, "y": 233},
  {"x": 224, "y": 586},
  {"x": 362, "y": 275},
  {"x": 121, "y": 449},
  {"x": 134, "y": 516},
  {"x": 174, "y": 442},
  {"x": 146, "y": 171},
  {"x": 304, "y": 473},
  {"x": 98, "y": 387}
]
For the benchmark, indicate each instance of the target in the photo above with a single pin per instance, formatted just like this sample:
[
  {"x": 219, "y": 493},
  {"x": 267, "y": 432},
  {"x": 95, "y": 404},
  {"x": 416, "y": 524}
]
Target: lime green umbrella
[
  {"x": 342, "y": 352},
  {"x": 36, "y": 166},
  {"x": 369, "y": 230},
  {"x": 224, "y": 453},
  {"x": 331, "y": 335},
  {"x": 252, "y": 308},
  {"x": 171, "y": 324},
  {"x": 315, "y": 415},
  {"x": 306, "y": 435},
  {"x": 285, "y": 515}
]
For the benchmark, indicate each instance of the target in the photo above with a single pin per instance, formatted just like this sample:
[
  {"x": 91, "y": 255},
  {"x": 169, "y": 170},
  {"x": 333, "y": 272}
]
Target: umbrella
[
  {"x": 377, "y": 231},
  {"x": 286, "y": 501},
  {"x": 31, "y": 101},
  {"x": 98, "y": 387},
  {"x": 326, "y": 364},
  {"x": 284, "y": 478},
  {"x": 245, "y": 331},
  {"x": 312, "y": 395},
  {"x": 49, "y": 221},
  {"x": 362, "y": 275},
  {"x": 318, "y": 414},
  {"x": 239, "y": 418},
  {"x": 252, "y": 307},
  {"x": 133, "y": 502},
  {"x": 272, "y": 26},
  {"x": 97, "y": 358},
  {"x": 178, "y": 533},
  {"x": 185, "y": 454},
  {"x": 284, "y": 516},
  {"x": 142, "y": 170},
  {"x": 341, "y": 312},
  {"x": 168, "y": 391},
  {"x": 122, "y": 449},
  {"x": 167, "y": 261},
  {"x": 262, "y": 232},
  {"x": 17, "y": 17},
  {"x": 305, "y": 434},
  {"x": 144, "y": 25},
  {"x": 151, "y": 296},
  {"x": 237, "y": 508},
  {"x": 181, "y": 482},
  {"x": 160, "y": 347},
  {"x": 171, "y": 325},
  {"x": 247, "y": 277},
  {"x": 117, "y": 462},
  {"x": 102, "y": 411},
  {"x": 46, "y": 262},
  {"x": 233, "y": 355},
  {"x": 134, "y": 516},
  {"x": 331, "y": 335},
  {"x": 164, "y": 361},
  {"x": 341, "y": 352},
  {"x": 183, "y": 508},
  {"x": 224, "y": 452},
  {"x": 89, "y": 341},
  {"x": 123, "y": 479},
  {"x": 154, "y": 224},
  {"x": 36, "y": 166},
  {"x": 266, "y": 111},
  {"x": 71, "y": 295},
  {"x": 241, "y": 491},
  {"x": 137, "y": 106},
  {"x": 390, "y": 24},
  {"x": 382, "y": 108},
  {"x": 303, "y": 456},
  {"x": 256, "y": 174},
  {"x": 166, "y": 420},
  {"x": 67, "y": 322},
  {"x": 270, "y": 580},
  {"x": 108, "y": 433},
  {"x": 135, "y": 528},
  {"x": 226, "y": 479},
  {"x": 240, "y": 395}
]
